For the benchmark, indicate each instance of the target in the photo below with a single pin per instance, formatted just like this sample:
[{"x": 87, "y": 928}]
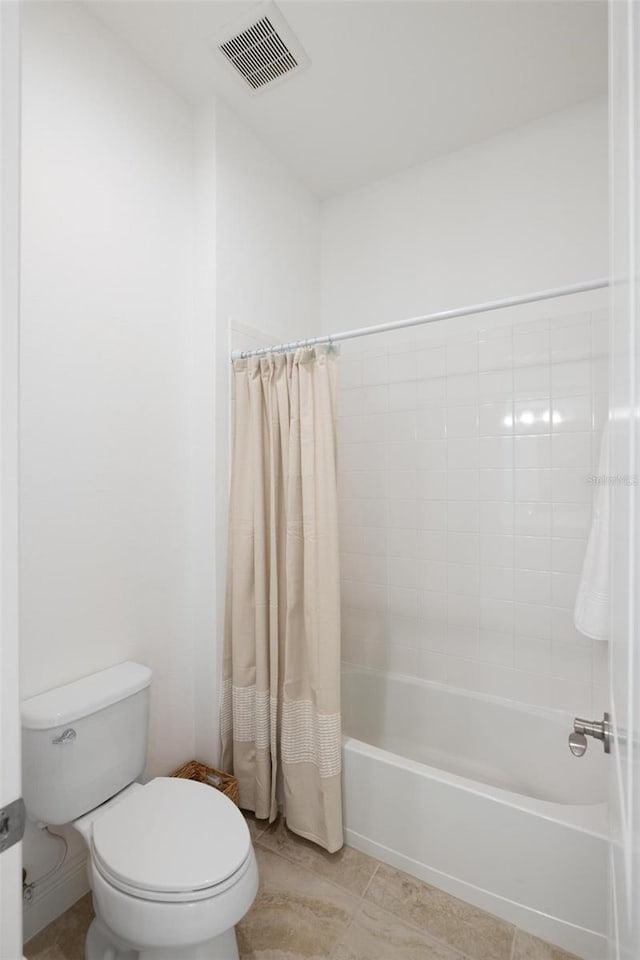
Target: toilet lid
[{"x": 172, "y": 836}]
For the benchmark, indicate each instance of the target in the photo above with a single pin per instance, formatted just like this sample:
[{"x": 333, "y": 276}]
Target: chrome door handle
[{"x": 599, "y": 730}]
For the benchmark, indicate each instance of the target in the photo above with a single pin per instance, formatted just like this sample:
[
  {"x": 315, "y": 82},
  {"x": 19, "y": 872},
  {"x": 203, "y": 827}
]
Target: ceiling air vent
[{"x": 262, "y": 49}]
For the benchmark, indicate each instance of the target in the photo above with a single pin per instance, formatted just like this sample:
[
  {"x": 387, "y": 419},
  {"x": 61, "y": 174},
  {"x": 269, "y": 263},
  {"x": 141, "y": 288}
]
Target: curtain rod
[{"x": 428, "y": 318}]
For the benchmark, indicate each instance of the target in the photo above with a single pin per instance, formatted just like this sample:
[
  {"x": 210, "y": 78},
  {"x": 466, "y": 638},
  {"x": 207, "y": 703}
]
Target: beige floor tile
[
  {"x": 347, "y": 868},
  {"x": 64, "y": 938},
  {"x": 530, "y": 948},
  {"x": 472, "y": 931},
  {"x": 296, "y": 916},
  {"x": 375, "y": 934},
  {"x": 256, "y": 827}
]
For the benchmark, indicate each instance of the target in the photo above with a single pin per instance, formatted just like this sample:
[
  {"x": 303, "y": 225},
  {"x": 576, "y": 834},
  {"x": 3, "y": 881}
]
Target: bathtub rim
[{"x": 589, "y": 818}]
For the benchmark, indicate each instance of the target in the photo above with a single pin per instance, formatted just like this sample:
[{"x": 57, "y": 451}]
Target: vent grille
[{"x": 259, "y": 54}]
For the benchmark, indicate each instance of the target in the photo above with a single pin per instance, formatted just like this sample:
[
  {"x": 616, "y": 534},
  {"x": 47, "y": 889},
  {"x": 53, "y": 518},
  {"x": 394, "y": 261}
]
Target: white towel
[{"x": 591, "y": 612}]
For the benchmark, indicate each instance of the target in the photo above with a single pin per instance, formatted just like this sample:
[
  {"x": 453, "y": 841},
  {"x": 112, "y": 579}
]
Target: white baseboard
[
  {"x": 582, "y": 942},
  {"x": 56, "y": 896}
]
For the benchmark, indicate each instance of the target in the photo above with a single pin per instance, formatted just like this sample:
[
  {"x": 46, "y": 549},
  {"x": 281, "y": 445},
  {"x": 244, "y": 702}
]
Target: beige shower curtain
[{"x": 281, "y": 698}]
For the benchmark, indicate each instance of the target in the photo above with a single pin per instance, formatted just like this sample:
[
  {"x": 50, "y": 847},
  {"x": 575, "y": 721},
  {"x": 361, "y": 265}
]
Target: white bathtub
[{"x": 482, "y": 798}]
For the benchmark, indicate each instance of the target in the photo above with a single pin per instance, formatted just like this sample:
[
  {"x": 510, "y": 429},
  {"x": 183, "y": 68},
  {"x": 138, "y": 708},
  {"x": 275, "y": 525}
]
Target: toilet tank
[{"x": 84, "y": 742}]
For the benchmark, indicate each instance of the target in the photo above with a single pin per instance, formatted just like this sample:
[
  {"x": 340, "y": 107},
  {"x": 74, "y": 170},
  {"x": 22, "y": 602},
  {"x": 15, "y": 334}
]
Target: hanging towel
[{"x": 591, "y": 612}]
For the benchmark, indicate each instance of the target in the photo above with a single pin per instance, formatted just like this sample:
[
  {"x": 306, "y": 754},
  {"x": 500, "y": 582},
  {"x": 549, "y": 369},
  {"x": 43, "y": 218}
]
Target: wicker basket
[{"x": 224, "y": 782}]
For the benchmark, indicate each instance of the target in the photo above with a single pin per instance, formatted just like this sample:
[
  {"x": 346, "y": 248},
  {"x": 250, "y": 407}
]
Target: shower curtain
[{"x": 281, "y": 731}]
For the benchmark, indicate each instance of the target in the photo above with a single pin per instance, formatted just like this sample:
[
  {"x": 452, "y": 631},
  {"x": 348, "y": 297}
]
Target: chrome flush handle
[
  {"x": 66, "y": 737},
  {"x": 599, "y": 730}
]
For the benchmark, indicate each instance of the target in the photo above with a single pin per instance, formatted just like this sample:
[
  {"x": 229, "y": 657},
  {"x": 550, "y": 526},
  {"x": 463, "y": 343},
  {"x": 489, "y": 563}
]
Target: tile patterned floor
[{"x": 346, "y": 906}]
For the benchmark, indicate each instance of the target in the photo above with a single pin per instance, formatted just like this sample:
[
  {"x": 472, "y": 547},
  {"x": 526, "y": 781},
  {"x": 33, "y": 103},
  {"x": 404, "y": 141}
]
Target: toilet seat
[{"x": 172, "y": 840}]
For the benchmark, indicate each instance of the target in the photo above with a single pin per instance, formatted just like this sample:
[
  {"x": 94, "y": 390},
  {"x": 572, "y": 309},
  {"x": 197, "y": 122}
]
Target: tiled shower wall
[{"x": 466, "y": 505}]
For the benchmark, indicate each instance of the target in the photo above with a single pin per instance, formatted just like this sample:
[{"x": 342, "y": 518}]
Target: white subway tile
[
  {"x": 496, "y": 517},
  {"x": 571, "y": 519},
  {"x": 431, "y": 455},
  {"x": 433, "y": 666},
  {"x": 462, "y": 454},
  {"x": 431, "y": 391},
  {"x": 532, "y": 383},
  {"x": 431, "y": 545},
  {"x": 564, "y": 587},
  {"x": 533, "y": 452},
  {"x": 402, "y": 396},
  {"x": 496, "y": 353},
  {"x": 375, "y": 399},
  {"x": 401, "y": 543},
  {"x": 431, "y": 574},
  {"x": 496, "y": 582},
  {"x": 432, "y": 484},
  {"x": 533, "y": 553},
  {"x": 532, "y": 519},
  {"x": 462, "y": 641},
  {"x": 533, "y": 586},
  {"x": 496, "y": 485},
  {"x": 402, "y": 601},
  {"x": 462, "y": 485},
  {"x": 533, "y": 485},
  {"x": 463, "y": 578},
  {"x": 431, "y": 423},
  {"x": 461, "y": 356},
  {"x": 400, "y": 426},
  {"x": 431, "y": 363},
  {"x": 463, "y": 610},
  {"x": 408, "y": 484},
  {"x": 402, "y": 660},
  {"x": 432, "y": 608},
  {"x": 533, "y": 654},
  {"x": 571, "y": 450},
  {"x": 463, "y": 547},
  {"x": 402, "y": 455},
  {"x": 496, "y": 419},
  {"x": 533, "y": 620},
  {"x": 463, "y": 516},
  {"x": 495, "y": 453},
  {"x": 571, "y": 377},
  {"x": 351, "y": 402},
  {"x": 432, "y": 514},
  {"x": 531, "y": 417},
  {"x": 495, "y": 647},
  {"x": 495, "y": 386},
  {"x": 375, "y": 370},
  {"x": 373, "y": 512},
  {"x": 567, "y": 556},
  {"x": 402, "y": 572},
  {"x": 496, "y": 549},
  {"x": 402, "y": 366},
  {"x": 572, "y": 696},
  {"x": 571, "y": 660},
  {"x": 531, "y": 346},
  {"x": 404, "y": 631},
  {"x": 571, "y": 414},
  {"x": 462, "y": 421},
  {"x": 496, "y": 615}
]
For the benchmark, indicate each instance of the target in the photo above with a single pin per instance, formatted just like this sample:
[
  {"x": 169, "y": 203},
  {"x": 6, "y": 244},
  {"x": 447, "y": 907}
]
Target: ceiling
[{"x": 391, "y": 83}]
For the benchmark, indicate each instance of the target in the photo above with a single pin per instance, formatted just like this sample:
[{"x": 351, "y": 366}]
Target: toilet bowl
[
  {"x": 172, "y": 870},
  {"x": 171, "y": 864}
]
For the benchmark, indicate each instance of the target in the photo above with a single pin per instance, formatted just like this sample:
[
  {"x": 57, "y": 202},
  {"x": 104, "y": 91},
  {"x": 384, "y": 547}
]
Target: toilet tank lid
[{"x": 83, "y": 697}]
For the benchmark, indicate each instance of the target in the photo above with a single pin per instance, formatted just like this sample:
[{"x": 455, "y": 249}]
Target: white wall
[
  {"x": 520, "y": 212},
  {"x": 268, "y": 277},
  {"x": 465, "y": 445},
  {"x": 107, "y": 373}
]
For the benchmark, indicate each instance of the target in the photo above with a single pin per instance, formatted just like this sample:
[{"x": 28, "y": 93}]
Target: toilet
[{"x": 171, "y": 864}]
